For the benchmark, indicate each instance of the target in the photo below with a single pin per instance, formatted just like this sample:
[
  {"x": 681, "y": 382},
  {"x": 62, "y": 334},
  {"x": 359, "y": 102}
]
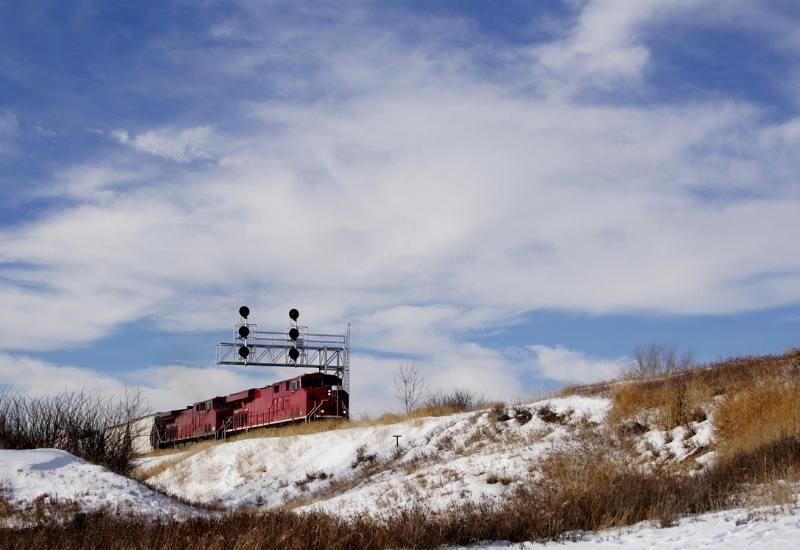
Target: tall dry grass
[
  {"x": 684, "y": 395},
  {"x": 757, "y": 417}
]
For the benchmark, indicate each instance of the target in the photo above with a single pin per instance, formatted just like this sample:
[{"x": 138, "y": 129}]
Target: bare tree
[
  {"x": 659, "y": 360},
  {"x": 409, "y": 386}
]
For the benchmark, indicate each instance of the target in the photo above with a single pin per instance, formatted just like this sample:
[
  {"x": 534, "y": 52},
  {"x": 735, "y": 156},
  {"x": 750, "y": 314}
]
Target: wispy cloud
[
  {"x": 179, "y": 145},
  {"x": 378, "y": 174},
  {"x": 9, "y": 126},
  {"x": 163, "y": 387},
  {"x": 570, "y": 366}
]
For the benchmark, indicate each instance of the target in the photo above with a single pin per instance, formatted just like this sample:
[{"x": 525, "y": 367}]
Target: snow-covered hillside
[
  {"x": 49, "y": 476},
  {"x": 439, "y": 461}
]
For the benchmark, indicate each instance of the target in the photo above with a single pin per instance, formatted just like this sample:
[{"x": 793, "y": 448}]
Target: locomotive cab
[{"x": 325, "y": 396}]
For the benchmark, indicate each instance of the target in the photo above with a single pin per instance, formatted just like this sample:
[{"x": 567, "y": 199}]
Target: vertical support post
[{"x": 347, "y": 363}]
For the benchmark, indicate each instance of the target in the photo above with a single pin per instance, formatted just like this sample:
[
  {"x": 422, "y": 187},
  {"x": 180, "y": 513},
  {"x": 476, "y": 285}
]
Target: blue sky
[{"x": 512, "y": 195}]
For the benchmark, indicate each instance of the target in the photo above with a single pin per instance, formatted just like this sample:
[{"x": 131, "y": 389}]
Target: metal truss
[{"x": 328, "y": 353}]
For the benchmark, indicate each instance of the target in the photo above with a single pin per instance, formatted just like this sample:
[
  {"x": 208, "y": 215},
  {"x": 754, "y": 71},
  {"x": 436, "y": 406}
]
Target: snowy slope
[
  {"x": 440, "y": 461},
  {"x": 764, "y": 529},
  {"x": 31, "y": 474}
]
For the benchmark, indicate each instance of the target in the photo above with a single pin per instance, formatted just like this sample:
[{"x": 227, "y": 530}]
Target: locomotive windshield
[{"x": 317, "y": 380}]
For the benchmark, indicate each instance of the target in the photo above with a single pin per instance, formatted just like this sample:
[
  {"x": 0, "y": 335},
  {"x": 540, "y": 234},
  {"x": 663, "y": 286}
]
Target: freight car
[{"x": 300, "y": 399}]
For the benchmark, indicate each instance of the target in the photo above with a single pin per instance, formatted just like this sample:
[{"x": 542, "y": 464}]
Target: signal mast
[{"x": 295, "y": 347}]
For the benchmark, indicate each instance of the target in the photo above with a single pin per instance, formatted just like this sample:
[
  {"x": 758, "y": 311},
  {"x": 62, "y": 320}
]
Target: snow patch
[{"x": 28, "y": 475}]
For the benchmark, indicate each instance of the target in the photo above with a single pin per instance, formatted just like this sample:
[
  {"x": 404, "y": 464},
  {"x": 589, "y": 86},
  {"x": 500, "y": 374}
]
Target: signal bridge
[{"x": 296, "y": 347}]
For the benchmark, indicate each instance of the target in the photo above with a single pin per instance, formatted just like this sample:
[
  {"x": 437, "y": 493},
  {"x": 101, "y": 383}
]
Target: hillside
[
  {"x": 712, "y": 454},
  {"x": 42, "y": 482},
  {"x": 440, "y": 462}
]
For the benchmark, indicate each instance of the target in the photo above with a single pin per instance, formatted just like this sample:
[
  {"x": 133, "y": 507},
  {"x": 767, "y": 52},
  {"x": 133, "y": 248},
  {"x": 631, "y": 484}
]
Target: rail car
[{"x": 301, "y": 399}]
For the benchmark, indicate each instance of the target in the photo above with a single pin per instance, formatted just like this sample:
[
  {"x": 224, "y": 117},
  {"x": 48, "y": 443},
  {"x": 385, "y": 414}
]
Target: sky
[{"x": 511, "y": 196}]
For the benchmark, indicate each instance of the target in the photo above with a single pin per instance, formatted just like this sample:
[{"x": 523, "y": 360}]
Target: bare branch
[{"x": 409, "y": 386}]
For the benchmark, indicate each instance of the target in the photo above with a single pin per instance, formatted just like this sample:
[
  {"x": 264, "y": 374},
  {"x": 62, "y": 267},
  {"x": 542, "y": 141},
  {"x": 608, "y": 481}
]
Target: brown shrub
[
  {"x": 547, "y": 414},
  {"x": 456, "y": 400},
  {"x": 5, "y": 506},
  {"x": 362, "y": 457},
  {"x": 522, "y": 414}
]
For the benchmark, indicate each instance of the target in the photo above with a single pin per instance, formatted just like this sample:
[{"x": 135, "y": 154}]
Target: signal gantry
[{"x": 295, "y": 347}]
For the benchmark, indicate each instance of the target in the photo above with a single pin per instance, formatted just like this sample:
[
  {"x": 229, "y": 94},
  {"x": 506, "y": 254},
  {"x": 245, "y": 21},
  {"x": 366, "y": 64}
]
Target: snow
[
  {"x": 679, "y": 444},
  {"x": 440, "y": 461},
  {"x": 26, "y": 476},
  {"x": 737, "y": 529}
]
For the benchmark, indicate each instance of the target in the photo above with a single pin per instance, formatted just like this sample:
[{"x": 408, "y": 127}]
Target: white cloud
[
  {"x": 43, "y": 378},
  {"x": 98, "y": 182},
  {"x": 180, "y": 145},
  {"x": 570, "y": 366},
  {"x": 174, "y": 386},
  {"x": 604, "y": 48},
  {"x": 163, "y": 387},
  {"x": 421, "y": 200}
]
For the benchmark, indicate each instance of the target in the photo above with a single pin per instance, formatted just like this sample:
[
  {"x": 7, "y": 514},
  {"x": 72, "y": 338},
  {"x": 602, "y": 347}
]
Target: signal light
[
  {"x": 244, "y": 332},
  {"x": 294, "y": 334},
  {"x": 244, "y": 351},
  {"x": 244, "y": 311}
]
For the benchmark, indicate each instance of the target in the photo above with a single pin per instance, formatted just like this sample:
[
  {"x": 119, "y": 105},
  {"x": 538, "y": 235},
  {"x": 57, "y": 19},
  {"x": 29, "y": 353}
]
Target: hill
[
  {"x": 712, "y": 453},
  {"x": 49, "y": 482}
]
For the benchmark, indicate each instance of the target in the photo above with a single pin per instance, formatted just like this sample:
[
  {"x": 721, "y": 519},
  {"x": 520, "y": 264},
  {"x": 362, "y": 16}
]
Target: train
[{"x": 305, "y": 398}]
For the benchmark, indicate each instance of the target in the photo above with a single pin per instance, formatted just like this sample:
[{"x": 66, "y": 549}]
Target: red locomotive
[{"x": 300, "y": 399}]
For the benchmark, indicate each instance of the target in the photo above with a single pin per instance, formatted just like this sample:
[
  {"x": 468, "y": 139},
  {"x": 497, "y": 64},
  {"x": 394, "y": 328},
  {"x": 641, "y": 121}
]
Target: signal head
[
  {"x": 244, "y": 351},
  {"x": 294, "y": 334},
  {"x": 294, "y": 315},
  {"x": 294, "y": 354},
  {"x": 244, "y": 331},
  {"x": 244, "y": 311}
]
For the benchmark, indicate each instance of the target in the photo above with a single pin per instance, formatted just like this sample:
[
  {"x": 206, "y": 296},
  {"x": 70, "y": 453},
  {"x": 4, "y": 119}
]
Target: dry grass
[
  {"x": 143, "y": 474},
  {"x": 5, "y": 506},
  {"x": 681, "y": 397},
  {"x": 758, "y": 416}
]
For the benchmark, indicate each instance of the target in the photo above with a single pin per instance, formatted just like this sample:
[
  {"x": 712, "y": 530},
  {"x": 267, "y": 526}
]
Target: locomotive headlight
[{"x": 322, "y": 411}]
